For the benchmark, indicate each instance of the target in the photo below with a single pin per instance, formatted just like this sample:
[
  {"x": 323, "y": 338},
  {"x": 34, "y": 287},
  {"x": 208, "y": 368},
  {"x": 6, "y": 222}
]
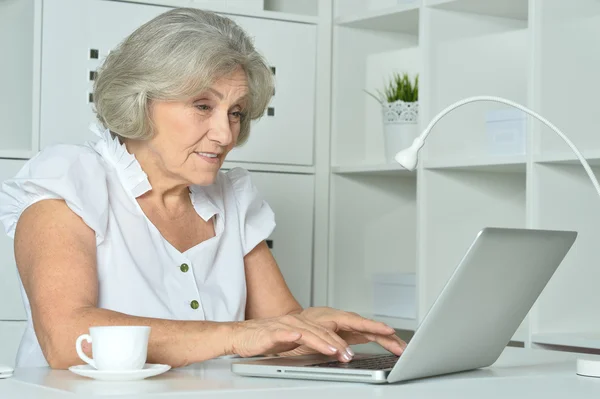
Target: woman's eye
[
  {"x": 237, "y": 116},
  {"x": 203, "y": 107}
]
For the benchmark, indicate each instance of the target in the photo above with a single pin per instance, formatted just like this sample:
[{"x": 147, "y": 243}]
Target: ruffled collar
[
  {"x": 134, "y": 178},
  {"x": 130, "y": 171}
]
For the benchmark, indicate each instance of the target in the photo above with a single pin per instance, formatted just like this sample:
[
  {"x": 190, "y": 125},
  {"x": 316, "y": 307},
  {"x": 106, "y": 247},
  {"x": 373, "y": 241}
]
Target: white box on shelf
[
  {"x": 394, "y": 295},
  {"x": 506, "y": 132}
]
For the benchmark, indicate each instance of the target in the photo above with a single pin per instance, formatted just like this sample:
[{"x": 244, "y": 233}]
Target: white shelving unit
[
  {"x": 535, "y": 52},
  {"x": 562, "y": 195},
  {"x": 372, "y": 202},
  {"x": 401, "y": 18},
  {"x": 374, "y": 169}
]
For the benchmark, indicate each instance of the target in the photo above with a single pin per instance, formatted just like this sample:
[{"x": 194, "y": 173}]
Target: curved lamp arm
[{"x": 408, "y": 157}]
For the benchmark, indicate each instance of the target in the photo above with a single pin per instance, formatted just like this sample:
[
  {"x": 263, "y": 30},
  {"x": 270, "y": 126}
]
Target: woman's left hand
[{"x": 352, "y": 328}]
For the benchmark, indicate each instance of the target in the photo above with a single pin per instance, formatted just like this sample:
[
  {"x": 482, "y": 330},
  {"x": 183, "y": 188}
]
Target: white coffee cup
[{"x": 116, "y": 347}]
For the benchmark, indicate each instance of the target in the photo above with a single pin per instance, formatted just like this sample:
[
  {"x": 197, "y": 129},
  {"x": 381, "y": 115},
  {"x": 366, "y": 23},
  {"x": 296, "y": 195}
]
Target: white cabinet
[
  {"x": 78, "y": 34},
  {"x": 11, "y": 305},
  {"x": 76, "y": 37},
  {"x": 291, "y": 197},
  {"x": 10, "y": 338},
  {"x": 19, "y": 73},
  {"x": 284, "y": 135}
]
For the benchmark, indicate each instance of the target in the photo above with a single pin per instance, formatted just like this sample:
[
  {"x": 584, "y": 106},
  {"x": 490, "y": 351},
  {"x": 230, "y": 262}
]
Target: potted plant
[{"x": 400, "y": 112}]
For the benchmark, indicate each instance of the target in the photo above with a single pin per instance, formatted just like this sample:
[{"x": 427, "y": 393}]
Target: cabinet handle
[
  {"x": 271, "y": 111},
  {"x": 270, "y": 244},
  {"x": 94, "y": 54},
  {"x": 90, "y": 97},
  {"x": 273, "y": 70},
  {"x": 93, "y": 75}
]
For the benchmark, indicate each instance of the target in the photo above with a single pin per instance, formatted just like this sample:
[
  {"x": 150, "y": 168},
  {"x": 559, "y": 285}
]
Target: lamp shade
[{"x": 408, "y": 157}]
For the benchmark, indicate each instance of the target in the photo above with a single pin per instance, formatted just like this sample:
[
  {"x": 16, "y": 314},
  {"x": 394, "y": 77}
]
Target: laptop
[{"x": 468, "y": 326}]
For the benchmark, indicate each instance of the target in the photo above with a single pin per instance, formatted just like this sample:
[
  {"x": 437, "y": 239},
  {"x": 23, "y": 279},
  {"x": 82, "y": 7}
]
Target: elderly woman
[{"x": 142, "y": 227}]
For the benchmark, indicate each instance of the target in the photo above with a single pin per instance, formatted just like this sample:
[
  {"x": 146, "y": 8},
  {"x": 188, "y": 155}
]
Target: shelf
[
  {"x": 457, "y": 205},
  {"x": 513, "y": 9},
  {"x": 387, "y": 169},
  {"x": 579, "y": 340},
  {"x": 366, "y": 240},
  {"x": 522, "y": 333},
  {"x": 275, "y": 15},
  {"x": 15, "y": 154},
  {"x": 501, "y": 164},
  {"x": 567, "y": 31},
  {"x": 274, "y": 168},
  {"x": 569, "y": 158},
  {"x": 403, "y": 18},
  {"x": 396, "y": 322}
]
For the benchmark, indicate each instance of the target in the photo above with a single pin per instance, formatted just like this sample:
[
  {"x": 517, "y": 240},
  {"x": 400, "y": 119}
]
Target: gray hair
[{"x": 175, "y": 56}]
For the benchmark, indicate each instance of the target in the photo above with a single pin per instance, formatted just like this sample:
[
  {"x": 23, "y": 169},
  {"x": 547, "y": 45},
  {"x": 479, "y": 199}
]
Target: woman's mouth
[{"x": 208, "y": 157}]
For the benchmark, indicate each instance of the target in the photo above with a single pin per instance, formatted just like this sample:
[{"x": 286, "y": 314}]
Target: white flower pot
[
  {"x": 400, "y": 126},
  {"x": 398, "y": 136}
]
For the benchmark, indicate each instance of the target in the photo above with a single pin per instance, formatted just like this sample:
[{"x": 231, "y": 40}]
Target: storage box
[
  {"x": 506, "y": 132},
  {"x": 394, "y": 295}
]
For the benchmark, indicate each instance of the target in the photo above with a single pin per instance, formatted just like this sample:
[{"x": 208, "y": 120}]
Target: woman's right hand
[{"x": 281, "y": 334}]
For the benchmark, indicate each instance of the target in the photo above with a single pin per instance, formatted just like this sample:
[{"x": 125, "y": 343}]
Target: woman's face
[{"x": 192, "y": 137}]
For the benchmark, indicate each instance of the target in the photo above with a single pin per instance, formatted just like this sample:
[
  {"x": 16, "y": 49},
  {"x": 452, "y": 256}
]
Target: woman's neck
[{"x": 168, "y": 192}]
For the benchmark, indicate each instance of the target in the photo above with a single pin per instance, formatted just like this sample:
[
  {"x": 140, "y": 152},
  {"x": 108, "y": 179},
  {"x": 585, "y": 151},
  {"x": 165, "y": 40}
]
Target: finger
[
  {"x": 358, "y": 338},
  {"x": 318, "y": 335},
  {"x": 339, "y": 342},
  {"x": 399, "y": 340},
  {"x": 355, "y": 322},
  {"x": 281, "y": 340},
  {"x": 281, "y": 335},
  {"x": 390, "y": 343},
  {"x": 318, "y": 343},
  {"x": 353, "y": 338}
]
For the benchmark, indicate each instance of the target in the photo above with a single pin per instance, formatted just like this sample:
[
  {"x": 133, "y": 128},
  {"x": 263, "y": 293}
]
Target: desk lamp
[{"x": 408, "y": 158}]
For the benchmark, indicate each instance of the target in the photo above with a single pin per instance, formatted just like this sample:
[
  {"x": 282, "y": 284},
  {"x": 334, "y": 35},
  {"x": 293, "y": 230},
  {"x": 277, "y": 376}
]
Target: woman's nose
[{"x": 220, "y": 130}]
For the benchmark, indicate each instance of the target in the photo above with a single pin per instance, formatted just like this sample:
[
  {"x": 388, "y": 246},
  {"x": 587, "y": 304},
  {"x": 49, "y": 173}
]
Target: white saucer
[
  {"x": 588, "y": 367},
  {"x": 5, "y": 371},
  {"x": 149, "y": 370}
]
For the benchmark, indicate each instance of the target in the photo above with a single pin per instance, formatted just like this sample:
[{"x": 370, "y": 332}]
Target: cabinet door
[
  {"x": 291, "y": 197},
  {"x": 11, "y": 304},
  {"x": 10, "y": 338},
  {"x": 285, "y": 134},
  {"x": 76, "y": 36},
  {"x": 75, "y": 43},
  {"x": 17, "y": 38}
]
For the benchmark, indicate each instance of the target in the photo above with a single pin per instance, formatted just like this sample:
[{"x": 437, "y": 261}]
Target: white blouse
[{"x": 139, "y": 272}]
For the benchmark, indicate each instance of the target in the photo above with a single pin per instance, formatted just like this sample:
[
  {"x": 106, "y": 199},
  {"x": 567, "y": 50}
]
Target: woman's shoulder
[
  {"x": 75, "y": 174},
  {"x": 61, "y": 159}
]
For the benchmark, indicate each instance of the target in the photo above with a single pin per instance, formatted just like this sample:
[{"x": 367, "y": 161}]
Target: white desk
[{"x": 519, "y": 373}]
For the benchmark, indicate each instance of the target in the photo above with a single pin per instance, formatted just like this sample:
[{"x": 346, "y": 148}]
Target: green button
[
  {"x": 194, "y": 304},
  {"x": 184, "y": 268}
]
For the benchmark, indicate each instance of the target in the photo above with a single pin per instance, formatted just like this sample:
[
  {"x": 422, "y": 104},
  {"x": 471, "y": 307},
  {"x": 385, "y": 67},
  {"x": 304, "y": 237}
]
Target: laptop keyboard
[{"x": 380, "y": 362}]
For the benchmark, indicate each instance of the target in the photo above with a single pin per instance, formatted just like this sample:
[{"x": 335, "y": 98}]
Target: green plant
[{"x": 400, "y": 87}]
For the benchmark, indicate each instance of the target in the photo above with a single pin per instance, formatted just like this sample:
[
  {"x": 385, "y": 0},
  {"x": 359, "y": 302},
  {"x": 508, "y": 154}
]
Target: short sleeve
[
  {"x": 72, "y": 173},
  {"x": 256, "y": 218}
]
